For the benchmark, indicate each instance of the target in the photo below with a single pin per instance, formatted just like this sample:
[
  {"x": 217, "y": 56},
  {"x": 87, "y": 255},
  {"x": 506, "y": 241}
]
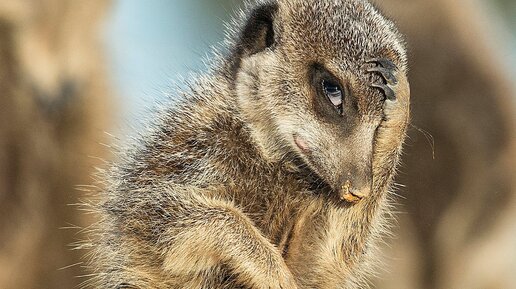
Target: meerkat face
[{"x": 326, "y": 80}]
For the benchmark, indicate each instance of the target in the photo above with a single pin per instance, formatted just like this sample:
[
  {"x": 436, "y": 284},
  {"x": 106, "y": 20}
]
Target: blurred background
[{"x": 70, "y": 71}]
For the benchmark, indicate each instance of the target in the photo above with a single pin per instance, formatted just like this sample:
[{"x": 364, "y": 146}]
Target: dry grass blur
[
  {"x": 54, "y": 108},
  {"x": 458, "y": 229}
]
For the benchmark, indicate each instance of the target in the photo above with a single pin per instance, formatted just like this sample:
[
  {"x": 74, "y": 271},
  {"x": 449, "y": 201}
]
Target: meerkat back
[{"x": 273, "y": 170}]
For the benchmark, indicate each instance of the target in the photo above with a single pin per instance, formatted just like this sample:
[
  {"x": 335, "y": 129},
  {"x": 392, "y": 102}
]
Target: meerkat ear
[{"x": 258, "y": 32}]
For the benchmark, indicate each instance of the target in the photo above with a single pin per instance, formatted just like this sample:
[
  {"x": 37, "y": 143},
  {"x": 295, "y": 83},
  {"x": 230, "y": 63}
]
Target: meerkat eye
[{"x": 334, "y": 94}]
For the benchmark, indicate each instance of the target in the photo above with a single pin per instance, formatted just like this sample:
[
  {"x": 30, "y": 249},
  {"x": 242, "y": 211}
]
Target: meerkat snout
[
  {"x": 344, "y": 164},
  {"x": 355, "y": 184},
  {"x": 353, "y": 193}
]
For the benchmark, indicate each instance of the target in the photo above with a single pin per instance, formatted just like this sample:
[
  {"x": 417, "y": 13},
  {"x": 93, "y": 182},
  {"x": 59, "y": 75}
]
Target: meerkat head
[{"x": 325, "y": 80}]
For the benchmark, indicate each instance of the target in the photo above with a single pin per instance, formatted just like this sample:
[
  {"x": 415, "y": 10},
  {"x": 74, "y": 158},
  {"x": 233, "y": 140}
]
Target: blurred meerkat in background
[
  {"x": 459, "y": 229},
  {"x": 54, "y": 107}
]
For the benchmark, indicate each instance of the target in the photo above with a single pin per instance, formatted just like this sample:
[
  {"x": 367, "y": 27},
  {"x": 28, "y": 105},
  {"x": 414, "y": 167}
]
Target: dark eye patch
[{"x": 328, "y": 87}]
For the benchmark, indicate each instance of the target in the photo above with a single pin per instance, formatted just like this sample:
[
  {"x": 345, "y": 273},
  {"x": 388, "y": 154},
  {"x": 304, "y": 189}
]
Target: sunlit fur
[{"x": 216, "y": 194}]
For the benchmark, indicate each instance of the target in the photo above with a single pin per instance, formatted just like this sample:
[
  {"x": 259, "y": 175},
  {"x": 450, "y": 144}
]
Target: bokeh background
[{"x": 76, "y": 76}]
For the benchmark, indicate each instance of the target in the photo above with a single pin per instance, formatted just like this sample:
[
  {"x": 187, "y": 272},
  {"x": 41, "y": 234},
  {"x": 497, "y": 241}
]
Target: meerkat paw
[{"x": 390, "y": 73}]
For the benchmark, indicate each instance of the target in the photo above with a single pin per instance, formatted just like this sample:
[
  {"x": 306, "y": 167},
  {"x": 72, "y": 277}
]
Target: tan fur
[{"x": 238, "y": 184}]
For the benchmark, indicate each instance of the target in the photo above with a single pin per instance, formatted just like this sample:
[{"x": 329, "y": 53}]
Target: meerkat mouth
[{"x": 301, "y": 144}]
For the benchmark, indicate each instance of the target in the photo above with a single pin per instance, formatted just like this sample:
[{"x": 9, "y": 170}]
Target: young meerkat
[{"x": 273, "y": 170}]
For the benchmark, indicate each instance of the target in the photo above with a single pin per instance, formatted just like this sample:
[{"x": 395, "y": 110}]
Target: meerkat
[{"x": 272, "y": 170}]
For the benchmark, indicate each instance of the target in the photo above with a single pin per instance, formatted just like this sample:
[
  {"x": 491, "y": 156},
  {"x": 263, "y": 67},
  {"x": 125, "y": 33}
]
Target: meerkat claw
[
  {"x": 385, "y": 73},
  {"x": 383, "y": 62},
  {"x": 386, "y": 69},
  {"x": 389, "y": 92}
]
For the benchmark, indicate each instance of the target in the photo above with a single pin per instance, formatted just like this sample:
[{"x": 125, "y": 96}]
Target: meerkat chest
[{"x": 319, "y": 231}]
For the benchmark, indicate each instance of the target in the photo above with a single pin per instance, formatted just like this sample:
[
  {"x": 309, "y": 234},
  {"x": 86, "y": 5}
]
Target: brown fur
[{"x": 219, "y": 193}]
